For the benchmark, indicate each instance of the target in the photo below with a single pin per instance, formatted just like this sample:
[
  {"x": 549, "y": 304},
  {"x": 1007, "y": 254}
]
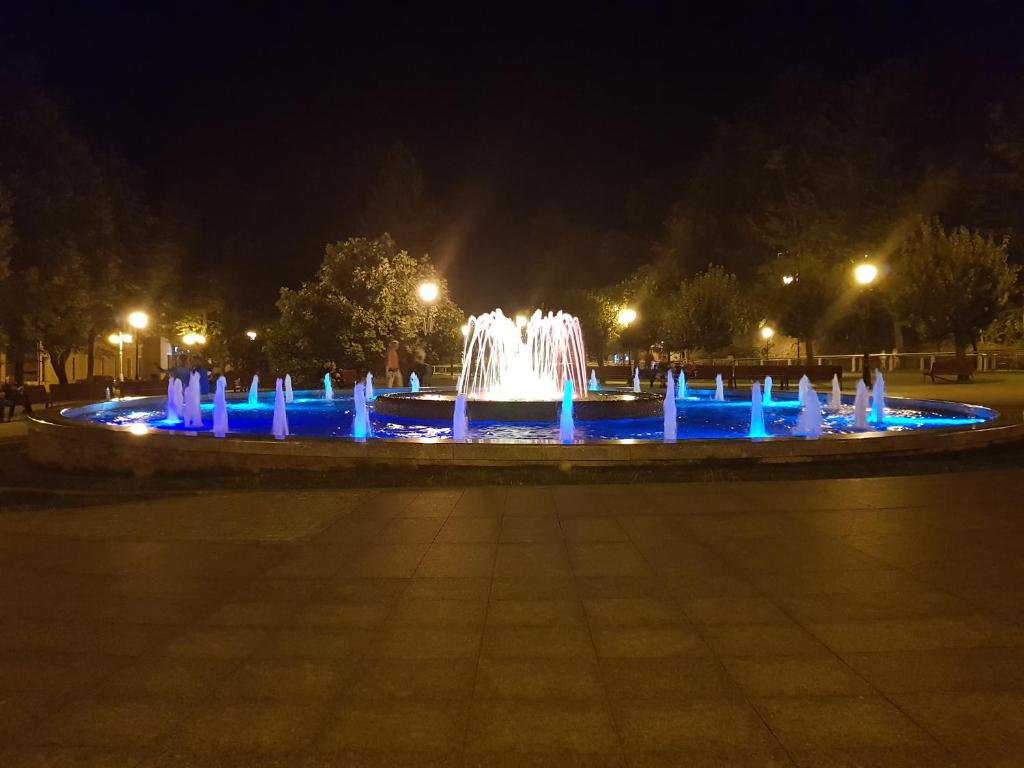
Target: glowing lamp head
[
  {"x": 788, "y": 279},
  {"x": 865, "y": 274},
  {"x": 767, "y": 332},
  {"x": 627, "y": 316},
  {"x": 200, "y": 339},
  {"x": 428, "y": 292},
  {"x": 189, "y": 339},
  {"x": 251, "y": 335},
  {"x": 138, "y": 320}
]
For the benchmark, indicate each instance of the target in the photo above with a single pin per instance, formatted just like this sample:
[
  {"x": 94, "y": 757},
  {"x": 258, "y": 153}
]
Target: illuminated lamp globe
[
  {"x": 767, "y": 332},
  {"x": 626, "y": 316},
  {"x": 251, "y": 335},
  {"x": 189, "y": 339},
  {"x": 138, "y": 320},
  {"x": 865, "y": 274},
  {"x": 428, "y": 292}
]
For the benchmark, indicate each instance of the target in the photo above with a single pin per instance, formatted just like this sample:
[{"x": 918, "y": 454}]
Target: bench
[
  {"x": 79, "y": 390},
  {"x": 784, "y": 374},
  {"x": 950, "y": 369},
  {"x": 142, "y": 387}
]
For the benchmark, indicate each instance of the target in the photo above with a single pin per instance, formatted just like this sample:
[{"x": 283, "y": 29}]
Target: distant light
[
  {"x": 767, "y": 332},
  {"x": 138, "y": 320},
  {"x": 428, "y": 292},
  {"x": 200, "y": 339},
  {"x": 138, "y": 429},
  {"x": 521, "y": 321},
  {"x": 251, "y": 335},
  {"x": 627, "y": 316},
  {"x": 787, "y": 279},
  {"x": 866, "y": 273},
  {"x": 465, "y": 330},
  {"x": 120, "y": 338},
  {"x": 189, "y": 339}
]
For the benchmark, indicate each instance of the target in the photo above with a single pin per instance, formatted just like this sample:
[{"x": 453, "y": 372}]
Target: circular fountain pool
[
  {"x": 134, "y": 435},
  {"x": 698, "y": 417}
]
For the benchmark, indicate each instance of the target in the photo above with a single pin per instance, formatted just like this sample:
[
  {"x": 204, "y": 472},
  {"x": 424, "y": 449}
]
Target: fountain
[
  {"x": 179, "y": 398},
  {"x": 670, "y": 408},
  {"x": 360, "y": 416},
  {"x": 369, "y": 387},
  {"x": 810, "y": 422},
  {"x": 173, "y": 412},
  {"x": 565, "y": 423},
  {"x": 414, "y": 382},
  {"x": 756, "y": 412},
  {"x": 280, "y": 423},
  {"x": 502, "y": 414},
  {"x": 289, "y": 394},
  {"x": 860, "y": 406},
  {"x": 254, "y": 390},
  {"x": 681, "y": 389},
  {"x": 460, "y": 423},
  {"x": 193, "y": 414},
  {"x": 506, "y": 361},
  {"x": 220, "y": 408},
  {"x": 516, "y": 372},
  {"x": 802, "y": 388},
  {"x": 878, "y": 399},
  {"x": 835, "y": 402}
]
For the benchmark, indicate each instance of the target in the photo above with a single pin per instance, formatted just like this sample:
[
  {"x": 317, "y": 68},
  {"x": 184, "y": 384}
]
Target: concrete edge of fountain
[
  {"x": 437, "y": 405},
  {"x": 56, "y": 440}
]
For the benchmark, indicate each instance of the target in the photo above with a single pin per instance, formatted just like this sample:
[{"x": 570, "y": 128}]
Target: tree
[
  {"x": 800, "y": 296},
  {"x": 70, "y": 226},
  {"x": 953, "y": 283},
  {"x": 363, "y": 295},
  {"x": 597, "y": 312},
  {"x": 706, "y": 312}
]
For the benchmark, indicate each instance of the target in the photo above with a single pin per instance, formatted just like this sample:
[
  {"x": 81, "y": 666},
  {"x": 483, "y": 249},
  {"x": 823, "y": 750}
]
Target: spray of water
[
  {"x": 670, "y": 408},
  {"x": 503, "y": 360},
  {"x": 565, "y": 422},
  {"x": 756, "y": 412}
]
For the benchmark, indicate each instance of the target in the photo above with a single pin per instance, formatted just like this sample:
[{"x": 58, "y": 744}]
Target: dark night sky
[{"x": 248, "y": 121}]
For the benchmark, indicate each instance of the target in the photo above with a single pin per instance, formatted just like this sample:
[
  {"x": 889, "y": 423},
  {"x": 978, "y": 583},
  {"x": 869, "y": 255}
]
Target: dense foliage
[{"x": 363, "y": 296}]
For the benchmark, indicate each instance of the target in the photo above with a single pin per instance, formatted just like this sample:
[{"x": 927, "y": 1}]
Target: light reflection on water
[{"x": 699, "y": 417}]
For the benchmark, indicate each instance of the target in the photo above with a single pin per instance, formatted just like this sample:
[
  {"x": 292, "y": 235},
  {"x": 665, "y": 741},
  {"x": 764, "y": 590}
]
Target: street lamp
[
  {"x": 137, "y": 320},
  {"x": 119, "y": 339},
  {"x": 626, "y": 316},
  {"x": 766, "y": 333},
  {"x": 428, "y": 291},
  {"x": 251, "y": 335},
  {"x": 788, "y": 279},
  {"x": 864, "y": 275}
]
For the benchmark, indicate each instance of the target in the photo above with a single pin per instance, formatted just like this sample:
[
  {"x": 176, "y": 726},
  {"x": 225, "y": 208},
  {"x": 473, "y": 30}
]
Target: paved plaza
[{"x": 873, "y": 622}]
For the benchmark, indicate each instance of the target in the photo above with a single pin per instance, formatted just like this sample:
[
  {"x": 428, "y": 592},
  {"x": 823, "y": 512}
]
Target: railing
[{"x": 988, "y": 360}]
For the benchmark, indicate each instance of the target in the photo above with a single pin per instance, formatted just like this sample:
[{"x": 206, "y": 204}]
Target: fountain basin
[{"x": 437, "y": 405}]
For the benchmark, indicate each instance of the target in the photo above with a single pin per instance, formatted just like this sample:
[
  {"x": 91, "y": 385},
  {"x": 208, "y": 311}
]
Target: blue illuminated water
[{"x": 699, "y": 416}]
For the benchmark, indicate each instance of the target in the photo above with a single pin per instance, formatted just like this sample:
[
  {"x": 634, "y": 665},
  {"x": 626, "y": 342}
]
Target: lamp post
[
  {"x": 428, "y": 291},
  {"x": 766, "y": 333},
  {"x": 864, "y": 275},
  {"x": 137, "y": 320},
  {"x": 119, "y": 339}
]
